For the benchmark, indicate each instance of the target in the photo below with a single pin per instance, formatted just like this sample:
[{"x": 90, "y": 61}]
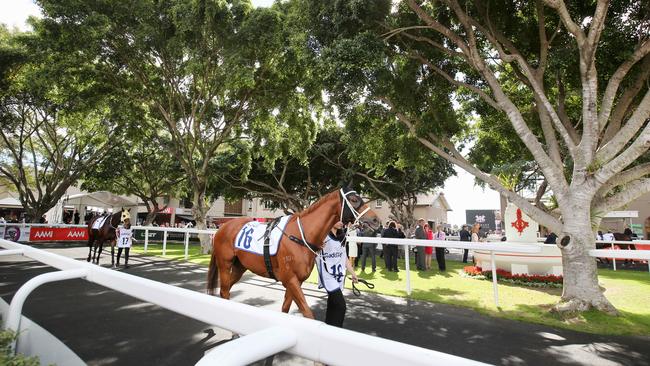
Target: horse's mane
[{"x": 318, "y": 203}]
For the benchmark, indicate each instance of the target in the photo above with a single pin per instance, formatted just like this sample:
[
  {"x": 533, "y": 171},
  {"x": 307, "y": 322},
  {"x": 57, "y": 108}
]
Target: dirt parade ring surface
[{"x": 105, "y": 327}]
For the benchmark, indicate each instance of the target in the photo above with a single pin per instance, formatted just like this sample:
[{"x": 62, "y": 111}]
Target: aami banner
[{"x": 58, "y": 234}]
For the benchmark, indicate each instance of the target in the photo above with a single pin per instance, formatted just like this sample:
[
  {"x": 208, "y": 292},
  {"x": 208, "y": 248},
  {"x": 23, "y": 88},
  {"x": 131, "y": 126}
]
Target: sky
[{"x": 460, "y": 191}]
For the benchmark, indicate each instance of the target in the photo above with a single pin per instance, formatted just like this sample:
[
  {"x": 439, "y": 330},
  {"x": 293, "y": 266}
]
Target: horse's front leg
[
  {"x": 286, "y": 305},
  {"x": 293, "y": 285}
]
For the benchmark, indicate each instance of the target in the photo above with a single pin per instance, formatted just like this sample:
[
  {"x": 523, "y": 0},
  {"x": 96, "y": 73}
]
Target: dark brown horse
[
  {"x": 97, "y": 237},
  {"x": 294, "y": 261}
]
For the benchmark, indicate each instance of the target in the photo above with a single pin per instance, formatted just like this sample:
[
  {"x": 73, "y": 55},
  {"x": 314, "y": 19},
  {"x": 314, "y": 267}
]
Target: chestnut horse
[
  {"x": 106, "y": 232},
  {"x": 303, "y": 237}
]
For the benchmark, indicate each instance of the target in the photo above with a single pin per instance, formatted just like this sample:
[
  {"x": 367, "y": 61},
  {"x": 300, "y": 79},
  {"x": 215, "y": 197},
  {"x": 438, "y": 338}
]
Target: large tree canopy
[
  {"x": 139, "y": 167},
  {"x": 400, "y": 169},
  {"x": 212, "y": 73},
  {"x": 57, "y": 119},
  {"x": 563, "y": 86}
]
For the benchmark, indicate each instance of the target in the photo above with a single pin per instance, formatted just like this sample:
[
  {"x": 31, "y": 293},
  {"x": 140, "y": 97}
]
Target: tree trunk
[
  {"x": 34, "y": 214},
  {"x": 581, "y": 291},
  {"x": 151, "y": 215},
  {"x": 199, "y": 211}
]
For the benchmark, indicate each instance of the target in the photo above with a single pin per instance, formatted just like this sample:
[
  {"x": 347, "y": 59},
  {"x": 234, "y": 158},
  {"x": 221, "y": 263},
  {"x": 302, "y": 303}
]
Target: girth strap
[{"x": 267, "y": 245}]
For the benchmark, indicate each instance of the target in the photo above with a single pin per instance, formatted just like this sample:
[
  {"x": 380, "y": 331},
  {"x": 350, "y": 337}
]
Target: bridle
[{"x": 345, "y": 203}]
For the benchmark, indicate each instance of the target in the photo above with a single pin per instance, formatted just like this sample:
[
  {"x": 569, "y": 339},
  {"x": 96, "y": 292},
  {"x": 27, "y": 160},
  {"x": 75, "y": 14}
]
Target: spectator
[
  {"x": 465, "y": 236},
  {"x": 352, "y": 249},
  {"x": 77, "y": 218},
  {"x": 629, "y": 233},
  {"x": 550, "y": 238},
  {"x": 2, "y": 220},
  {"x": 420, "y": 233},
  {"x": 475, "y": 232},
  {"x": 368, "y": 248},
  {"x": 609, "y": 236},
  {"x": 390, "y": 250},
  {"x": 440, "y": 251},
  {"x": 428, "y": 250}
]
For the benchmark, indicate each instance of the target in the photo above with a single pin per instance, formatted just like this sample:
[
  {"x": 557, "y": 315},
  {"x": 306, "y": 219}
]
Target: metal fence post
[
  {"x": 408, "y": 270},
  {"x": 187, "y": 243},
  {"x": 146, "y": 239},
  {"x": 494, "y": 279},
  {"x": 164, "y": 243}
]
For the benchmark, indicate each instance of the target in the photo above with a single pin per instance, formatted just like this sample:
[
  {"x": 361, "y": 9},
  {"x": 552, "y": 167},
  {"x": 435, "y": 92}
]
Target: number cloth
[
  {"x": 331, "y": 265},
  {"x": 100, "y": 222},
  {"x": 251, "y": 237},
  {"x": 124, "y": 237}
]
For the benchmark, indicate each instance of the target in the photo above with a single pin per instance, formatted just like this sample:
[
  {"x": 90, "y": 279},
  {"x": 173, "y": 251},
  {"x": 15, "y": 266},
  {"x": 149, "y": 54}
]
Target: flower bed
[{"x": 519, "y": 279}]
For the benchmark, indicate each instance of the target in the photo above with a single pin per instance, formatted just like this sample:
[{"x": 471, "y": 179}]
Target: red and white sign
[{"x": 58, "y": 234}]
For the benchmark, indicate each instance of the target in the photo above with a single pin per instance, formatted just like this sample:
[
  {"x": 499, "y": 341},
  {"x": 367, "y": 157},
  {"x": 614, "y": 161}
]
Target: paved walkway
[{"x": 107, "y": 328}]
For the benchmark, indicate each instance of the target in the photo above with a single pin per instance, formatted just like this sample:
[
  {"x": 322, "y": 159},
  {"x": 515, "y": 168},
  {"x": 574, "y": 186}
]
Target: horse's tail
[{"x": 213, "y": 275}]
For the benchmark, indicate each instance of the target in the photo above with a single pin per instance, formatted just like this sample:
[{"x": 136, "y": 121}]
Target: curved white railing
[{"x": 311, "y": 339}]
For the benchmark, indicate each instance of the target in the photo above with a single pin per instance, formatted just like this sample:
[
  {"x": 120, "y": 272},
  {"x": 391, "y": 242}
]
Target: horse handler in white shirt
[
  {"x": 124, "y": 235},
  {"x": 332, "y": 265}
]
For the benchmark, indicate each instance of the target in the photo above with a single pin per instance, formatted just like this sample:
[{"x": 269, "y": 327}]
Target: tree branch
[
  {"x": 624, "y": 135},
  {"x": 616, "y": 79},
  {"x": 541, "y": 216},
  {"x": 631, "y": 192}
]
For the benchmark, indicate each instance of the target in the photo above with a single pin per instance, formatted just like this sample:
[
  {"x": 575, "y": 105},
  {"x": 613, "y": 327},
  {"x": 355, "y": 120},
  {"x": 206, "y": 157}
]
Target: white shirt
[{"x": 608, "y": 237}]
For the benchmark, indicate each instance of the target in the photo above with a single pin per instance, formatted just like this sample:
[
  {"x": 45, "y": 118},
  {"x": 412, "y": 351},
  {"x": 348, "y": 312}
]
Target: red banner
[{"x": 58, "y": 234}]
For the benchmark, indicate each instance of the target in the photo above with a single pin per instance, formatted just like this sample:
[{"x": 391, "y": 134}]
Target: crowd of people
[{"x": 362, "y": 254}]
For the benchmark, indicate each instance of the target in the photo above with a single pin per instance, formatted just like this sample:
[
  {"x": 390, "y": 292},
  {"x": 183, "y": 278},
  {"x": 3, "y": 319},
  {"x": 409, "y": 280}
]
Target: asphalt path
[{"x": 105, "y": 327}]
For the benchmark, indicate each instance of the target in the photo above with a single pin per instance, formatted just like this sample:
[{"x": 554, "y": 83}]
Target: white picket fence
[
  {"x": 501, "y": 247},
  {"x": 265, "y": 332},
  {"x": 165, "y": 230}
]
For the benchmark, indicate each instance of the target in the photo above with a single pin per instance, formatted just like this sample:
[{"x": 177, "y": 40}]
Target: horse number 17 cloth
[
  {"x": 124, "y": 237},
  {"x": 331, "y": 265}
]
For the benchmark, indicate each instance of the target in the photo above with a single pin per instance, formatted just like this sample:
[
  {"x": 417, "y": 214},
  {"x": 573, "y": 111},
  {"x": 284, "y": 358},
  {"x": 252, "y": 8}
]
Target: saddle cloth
[
  {"x": 99, "y": 222},
  {"x": 251, "y": 237}
]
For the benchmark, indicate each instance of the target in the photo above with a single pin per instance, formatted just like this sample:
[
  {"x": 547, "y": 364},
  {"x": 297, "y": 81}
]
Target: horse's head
[{"x": 353, "y": 209}]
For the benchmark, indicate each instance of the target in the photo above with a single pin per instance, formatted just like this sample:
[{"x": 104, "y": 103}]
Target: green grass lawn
[{"x": 629, "y": 291}]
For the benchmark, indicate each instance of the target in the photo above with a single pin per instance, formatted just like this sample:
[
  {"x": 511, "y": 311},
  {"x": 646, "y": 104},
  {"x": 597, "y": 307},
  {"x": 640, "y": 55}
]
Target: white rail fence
[
  {"x": 265, "y": 332},
  {"x": 147, "y": 229},
  {"x": 497, "y": 247},
  {"x": 501, "y": 247},
  {"x": 165, "y": 230}
]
